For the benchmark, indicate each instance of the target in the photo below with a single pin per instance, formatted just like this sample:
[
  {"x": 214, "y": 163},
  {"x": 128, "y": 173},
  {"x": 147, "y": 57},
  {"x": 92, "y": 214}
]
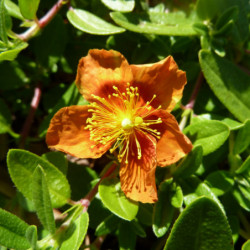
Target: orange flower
[{"x": 129, "y": 112}]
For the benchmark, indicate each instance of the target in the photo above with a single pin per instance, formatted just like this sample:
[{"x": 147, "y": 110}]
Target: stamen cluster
[{"x": 118, "y": 119}]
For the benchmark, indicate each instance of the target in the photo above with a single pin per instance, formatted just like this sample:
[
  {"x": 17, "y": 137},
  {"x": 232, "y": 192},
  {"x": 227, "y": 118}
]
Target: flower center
[{"x": 117, "y": 119}]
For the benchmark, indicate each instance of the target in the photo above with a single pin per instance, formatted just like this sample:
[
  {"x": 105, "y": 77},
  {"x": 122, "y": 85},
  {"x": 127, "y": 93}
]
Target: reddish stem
[
  {"x": 88, "y": 198},
  {"x": 195, "y": 92},
  {"x": 33, "y": 107},
  {"x": 43, "y": 21}
]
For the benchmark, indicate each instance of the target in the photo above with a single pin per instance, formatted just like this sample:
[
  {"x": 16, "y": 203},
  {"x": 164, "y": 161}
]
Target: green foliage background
[{"x": 204, "y": 199}]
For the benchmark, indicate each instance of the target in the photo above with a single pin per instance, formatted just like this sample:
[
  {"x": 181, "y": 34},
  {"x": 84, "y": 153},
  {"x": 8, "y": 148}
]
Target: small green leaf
[
  {"x": 169, "y": 197},
  {"x": 220, "y": 182},
  {"x": 241, "y": 191},
  {"x": 114, "y": 199},
  {"x": 108, "y": 225},
  {"x": 227, "y": 82},
  {"x": 242, "y": 140},
  {"x": 138, "y": 229},
  {"x": 193, "y": 188},
  {"x": 89, "y": 23},
  {"x": 120, "y": 5},
  {"x": 22, "y": 164},
  {"x": 190, "y": 163},
  {"x": 209, "y": 134},
  {"x": 5, "y": 117},
  {"x": 29, "y": 8},
  {"x": 12, "y": 231},
  {"x": 126, "y": 236},
  {"x": 3, "y": 17},
  {"x": 202, "y": 225},
  {"x": 13, "y": 9},
  {"x": 31, "y": 235},
  {"x": 75, "y": 233},
  {"x": 11, "y": 53},
  {"x": 246, "y": 245},
  {"x": 244, "y": 168},
  {"x": 41, "y": 200},
  {"x": 170, "y": 24},
  {"x": 57, "y": 159}
]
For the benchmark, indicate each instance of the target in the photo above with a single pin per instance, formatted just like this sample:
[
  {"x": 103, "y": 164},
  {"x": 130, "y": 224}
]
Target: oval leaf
[
  {"x": 31, "y": 235},
  {"x": 171, "y": 24},
  {"x": 201, "y": 225},
  {"x": 120, "y": 5},
  {"x": 230, "y": 84},
  {"x": 209, "y": 134},
  {"x": 41, "y": 199},
  {"x": 75, "y": 233},
  {"x": 108, "y": 225},
  {"x": 12, "y": 231},
  {"x": 22, "y": 164},
  {"x": 28, "y": 8},
  {"x": 164, "y": 210},
  {"x": 114, "y": 199},
  {"x": 89, "y": 23},
  {"x": 5, "y": 117}
]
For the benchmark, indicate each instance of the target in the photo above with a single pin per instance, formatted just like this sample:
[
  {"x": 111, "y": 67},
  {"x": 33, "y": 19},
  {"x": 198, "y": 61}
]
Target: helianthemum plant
[{"x": 129, "y": 112}]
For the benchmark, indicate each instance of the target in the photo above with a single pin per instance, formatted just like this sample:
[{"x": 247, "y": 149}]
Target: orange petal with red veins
[
  {"x": 67, "y": 133},
  {"x": 99, "y": 71},
  {"x": 138, "y": 176},
  {"x": 173, "y": 144},
  {"x": 163, "y": 79}
]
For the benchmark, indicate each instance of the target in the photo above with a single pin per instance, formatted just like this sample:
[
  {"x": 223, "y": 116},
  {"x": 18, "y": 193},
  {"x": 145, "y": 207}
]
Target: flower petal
[
  {"x": 67, "y": 133},
  {"x": 173, "y": 144},
  {"x": 138, "y": 175},
  {"x": 99, "y": 71},
  {"x": 163, "y": 79}
]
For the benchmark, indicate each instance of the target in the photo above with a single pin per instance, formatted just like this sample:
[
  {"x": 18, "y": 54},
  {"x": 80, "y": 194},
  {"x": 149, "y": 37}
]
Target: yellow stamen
[{"x": 117, "y": 119}]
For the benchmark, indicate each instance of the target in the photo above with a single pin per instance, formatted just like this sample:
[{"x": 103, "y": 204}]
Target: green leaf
[
  {"x": 220, "y": 182},
  {"x": 138, "y": 229},
  {"x": 201, "y": 226},
  {"x": 11, "y": 53},
  {"x": 230, "y": 84},
  {"x": 114, "y": 199},
  {"x": 89, "y": 23},
  {"x": 3, "y": 17},
  {"x": 108, "y": 225},
  {"x": 241, "y": 191},
  {"x": 126, "y": 236},
  {"x": 170, "y": 24},
  {"x": 190, "y": 163},
  {"x": 209, "y": 134},
  {"x": 58, "y": 159},
  {"x": 244, "y": 168},
  {"x": 13, "y": 9},
  {"x": 41, "y": 200},
  {"x": 12, "y": 231},
  {"x": 169, "y": 197},
  {"x": 22, "y": 164},
  {"x": 193, "y": 188},
  {"x": 28, "y": 8},
  {"x": 246, "y": 245},
  {"x": 242, "y": 140},
  {"x": 75, "y": 233},
  {"x": 120, "y": 5},
  {"x": 31, "y": 235},
  {"x": 5, "y": 117}
]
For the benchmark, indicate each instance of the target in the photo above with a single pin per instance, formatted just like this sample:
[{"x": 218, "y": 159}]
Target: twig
[
  {"x": 85, "y": 202},
  {"x": 33, "y": 107},
  {"x": 41, "y": 23}
]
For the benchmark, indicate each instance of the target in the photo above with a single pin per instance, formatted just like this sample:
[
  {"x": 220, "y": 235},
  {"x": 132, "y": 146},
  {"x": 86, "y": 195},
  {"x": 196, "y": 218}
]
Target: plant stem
[
  {"x": 41, "y": 23},
  {"x": 33, "y": 107},
  {"x": 85, "y": 202}
]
